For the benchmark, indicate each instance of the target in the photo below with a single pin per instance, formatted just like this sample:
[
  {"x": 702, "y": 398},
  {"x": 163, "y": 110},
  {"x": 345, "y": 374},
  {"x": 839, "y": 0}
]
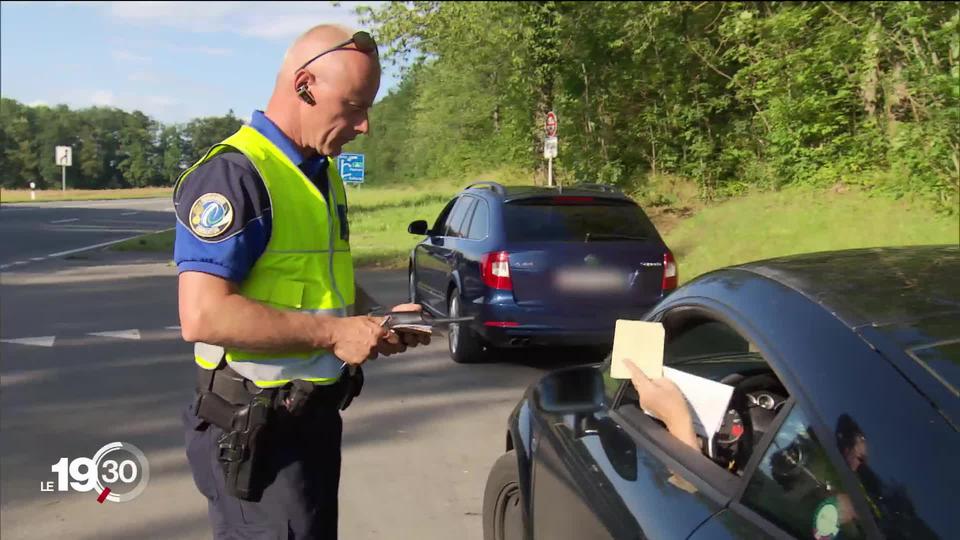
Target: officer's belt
[{"x": 238, "y": 390}]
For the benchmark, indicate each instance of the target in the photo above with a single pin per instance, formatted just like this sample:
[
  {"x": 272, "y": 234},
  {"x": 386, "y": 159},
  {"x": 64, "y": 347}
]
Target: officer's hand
[
  {"x": 391, "y": 344},
  {"x": 355, "y": 339},
  {"x": 412, "y": 339}
]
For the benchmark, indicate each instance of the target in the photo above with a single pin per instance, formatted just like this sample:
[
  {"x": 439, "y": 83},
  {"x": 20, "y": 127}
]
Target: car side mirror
[
  {"x": 577, "y": 390},
  {"x": 417, "y": 227}
]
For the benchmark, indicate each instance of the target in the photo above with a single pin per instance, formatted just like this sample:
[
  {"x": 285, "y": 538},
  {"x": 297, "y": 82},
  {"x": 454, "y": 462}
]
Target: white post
[
  {"x": 63, "y": 186},
  {"x": 550, "y": 172}
]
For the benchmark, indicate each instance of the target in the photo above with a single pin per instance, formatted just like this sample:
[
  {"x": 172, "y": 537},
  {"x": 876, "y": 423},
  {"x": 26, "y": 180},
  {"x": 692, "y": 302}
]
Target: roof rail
[
  {"x": 495, "y": 186},
  {"x": 600, "y": 187}
]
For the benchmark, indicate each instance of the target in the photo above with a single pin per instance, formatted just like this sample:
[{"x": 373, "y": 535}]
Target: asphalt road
[
  {"x": 91, "y": 354},
  {"x": 37, "y": 231}
]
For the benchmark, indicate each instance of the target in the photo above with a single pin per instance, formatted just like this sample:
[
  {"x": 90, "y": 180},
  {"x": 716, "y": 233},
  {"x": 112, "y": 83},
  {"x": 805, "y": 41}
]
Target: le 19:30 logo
[{"x": 118, "y": 472}]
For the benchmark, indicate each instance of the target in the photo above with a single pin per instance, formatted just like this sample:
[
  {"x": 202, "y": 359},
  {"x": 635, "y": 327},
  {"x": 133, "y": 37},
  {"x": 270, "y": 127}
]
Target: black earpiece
[{"x": 305, "y": 94}]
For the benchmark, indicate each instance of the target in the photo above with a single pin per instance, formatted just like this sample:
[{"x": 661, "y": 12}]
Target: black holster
[
  {"x": 246, "y": 414},
  {"x": 243, "y": 447},
  {"x": 245, "y": 418},
  {"x": 353, "y": 383}
]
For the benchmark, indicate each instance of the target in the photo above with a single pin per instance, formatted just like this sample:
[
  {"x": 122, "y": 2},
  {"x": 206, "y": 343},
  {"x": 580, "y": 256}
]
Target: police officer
[{"x": 267, "y": 294}]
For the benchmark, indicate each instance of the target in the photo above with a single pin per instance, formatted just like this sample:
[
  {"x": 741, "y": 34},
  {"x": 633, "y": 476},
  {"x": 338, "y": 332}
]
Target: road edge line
[{"x": 105, "y": 244}]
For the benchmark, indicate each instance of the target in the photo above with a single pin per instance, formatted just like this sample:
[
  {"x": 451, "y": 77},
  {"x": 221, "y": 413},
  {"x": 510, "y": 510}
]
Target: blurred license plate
[{"x": 590, "y": 280}]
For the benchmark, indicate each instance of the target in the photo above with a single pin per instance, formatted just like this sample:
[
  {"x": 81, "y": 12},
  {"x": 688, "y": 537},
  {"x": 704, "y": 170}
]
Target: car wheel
[
  {"x": 502, "y": 503},
  {"x": 464, "y": 344}
]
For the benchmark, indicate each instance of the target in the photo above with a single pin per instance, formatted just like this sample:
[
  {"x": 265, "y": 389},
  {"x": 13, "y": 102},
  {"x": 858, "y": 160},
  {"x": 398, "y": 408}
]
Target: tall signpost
[
  {"x": 550, "y": 144},
  {"x": 64, "y": 158}
]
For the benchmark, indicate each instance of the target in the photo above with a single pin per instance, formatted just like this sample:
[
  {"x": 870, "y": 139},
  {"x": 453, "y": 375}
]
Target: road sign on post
[
  {"x": 351, "y": 168},
  {"x": 550, "y": 144},
  {"x": 551, "y": 124},
  {"x": 550, "y": 147},
  {"x": 64, "y": 158}
]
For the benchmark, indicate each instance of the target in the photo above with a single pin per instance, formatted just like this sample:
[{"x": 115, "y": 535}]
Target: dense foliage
[
  {"x": 723, "y": 96},
  {"x": 111, "y": 148},
  {"x": 730, "y": 96}
]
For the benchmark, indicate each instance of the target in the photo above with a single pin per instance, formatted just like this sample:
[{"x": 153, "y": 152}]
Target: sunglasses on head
[{"x": 361, "y": 40}]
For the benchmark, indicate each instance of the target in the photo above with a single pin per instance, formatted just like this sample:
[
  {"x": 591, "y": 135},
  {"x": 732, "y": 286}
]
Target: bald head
[{"x": 341, "y": 85}]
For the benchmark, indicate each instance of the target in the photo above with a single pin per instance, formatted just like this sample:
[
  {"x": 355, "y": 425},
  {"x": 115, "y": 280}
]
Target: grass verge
[
  {"x": 157, "y": 242},
  {"x": 749, "y": 228},
  {"x": 47, "y": 195},
  {"x": 802, "y": 220},
  {"x": 379, "y": 216}
]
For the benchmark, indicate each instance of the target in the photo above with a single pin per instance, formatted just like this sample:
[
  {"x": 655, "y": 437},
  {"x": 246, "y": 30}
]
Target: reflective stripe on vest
[{"x": 306, "y": 266}]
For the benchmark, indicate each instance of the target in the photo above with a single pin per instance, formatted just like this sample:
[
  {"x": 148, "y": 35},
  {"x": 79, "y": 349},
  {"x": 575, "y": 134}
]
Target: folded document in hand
[
  {"x": 708, "y": 401},
  {"x": 414, "y": 321},
  {"x": 418, "y": 328}
]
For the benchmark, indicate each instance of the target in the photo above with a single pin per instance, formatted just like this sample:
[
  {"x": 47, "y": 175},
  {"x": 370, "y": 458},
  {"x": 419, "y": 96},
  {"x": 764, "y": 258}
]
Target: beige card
[{"x": 641, "y": 342}]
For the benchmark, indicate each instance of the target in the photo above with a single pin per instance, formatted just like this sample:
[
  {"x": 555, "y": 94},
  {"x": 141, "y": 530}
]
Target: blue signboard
[{"x": 351, "y": 168}]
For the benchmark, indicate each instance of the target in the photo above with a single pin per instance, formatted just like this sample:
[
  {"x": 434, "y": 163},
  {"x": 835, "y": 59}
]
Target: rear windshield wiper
[{"x": 606, "y": 236}]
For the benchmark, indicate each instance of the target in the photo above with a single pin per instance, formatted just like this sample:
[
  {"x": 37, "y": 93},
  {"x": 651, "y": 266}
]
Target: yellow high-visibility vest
[{"x": 306, "y": 266}]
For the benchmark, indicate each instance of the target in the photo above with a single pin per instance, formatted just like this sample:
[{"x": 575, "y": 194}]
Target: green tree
[
  {"x": 137, "y": 152},
  {"x": 202, "y": 133},
  {"x": 172, "y": 152}
]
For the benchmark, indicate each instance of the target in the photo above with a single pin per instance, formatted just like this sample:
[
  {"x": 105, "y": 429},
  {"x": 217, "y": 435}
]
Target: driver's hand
[{"x": 663, "y": 398}]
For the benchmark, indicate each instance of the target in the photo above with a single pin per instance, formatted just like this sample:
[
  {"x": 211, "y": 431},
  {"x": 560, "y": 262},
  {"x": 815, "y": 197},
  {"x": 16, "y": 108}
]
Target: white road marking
[
  {"x": 45, "y": 341},
  {"x": 35, "y": 259},
  {"x": 65, "y": 220},
  {"x": 129, "y": 213},
  {"x": 133, "y": 333},
  {"x": 48, "y": 341},
  {"x": 100, "y": 245},
  {"x": 17, "y": 263}
]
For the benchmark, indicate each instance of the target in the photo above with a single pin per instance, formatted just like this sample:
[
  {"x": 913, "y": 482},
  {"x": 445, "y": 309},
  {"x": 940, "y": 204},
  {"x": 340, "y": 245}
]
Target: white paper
[{"x": 708, "y": 401}]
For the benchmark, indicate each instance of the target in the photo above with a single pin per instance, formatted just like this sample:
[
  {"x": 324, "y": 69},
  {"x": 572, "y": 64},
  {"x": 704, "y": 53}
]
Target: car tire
[
  {"x": 502, "y": 502},
  {"x": 463, "y": 343}
]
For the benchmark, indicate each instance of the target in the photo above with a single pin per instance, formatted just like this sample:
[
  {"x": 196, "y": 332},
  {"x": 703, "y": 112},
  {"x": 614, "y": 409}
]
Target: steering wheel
[{"x": 753, "y": 407}]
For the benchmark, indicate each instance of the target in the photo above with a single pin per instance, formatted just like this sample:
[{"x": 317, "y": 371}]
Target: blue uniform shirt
[{"x": 231, "y": 245}]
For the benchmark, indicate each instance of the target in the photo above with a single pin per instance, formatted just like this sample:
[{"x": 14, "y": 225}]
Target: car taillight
[
  {"x": 671, "y": 276},
  {"x": 495, "y": 270}
]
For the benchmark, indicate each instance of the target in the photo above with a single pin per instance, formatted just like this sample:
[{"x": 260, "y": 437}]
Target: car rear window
[{"x": 572, "y": 219}]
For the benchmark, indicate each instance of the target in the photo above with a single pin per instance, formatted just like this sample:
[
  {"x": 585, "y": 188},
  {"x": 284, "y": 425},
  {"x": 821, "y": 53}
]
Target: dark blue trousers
[{"x": 304, "y": 471}]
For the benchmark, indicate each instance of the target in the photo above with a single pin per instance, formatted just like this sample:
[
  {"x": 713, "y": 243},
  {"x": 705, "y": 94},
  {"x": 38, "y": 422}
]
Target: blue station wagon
[{"x": 538, "y": 266}]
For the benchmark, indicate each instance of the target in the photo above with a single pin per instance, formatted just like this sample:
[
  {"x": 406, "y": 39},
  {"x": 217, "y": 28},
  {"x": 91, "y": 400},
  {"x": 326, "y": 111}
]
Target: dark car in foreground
[
  {"x": 843, "y": 422},
  {"x": 538, "y": 266}
]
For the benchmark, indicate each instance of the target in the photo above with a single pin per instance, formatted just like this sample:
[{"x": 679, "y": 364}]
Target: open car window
[{"x": 709, "y": 348}]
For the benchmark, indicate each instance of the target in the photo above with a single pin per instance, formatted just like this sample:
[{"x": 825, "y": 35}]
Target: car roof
[
  {"x": 873, "y": 286},
  {"x": 904, "y": 302},
  {"x": 513, "y": 193}
]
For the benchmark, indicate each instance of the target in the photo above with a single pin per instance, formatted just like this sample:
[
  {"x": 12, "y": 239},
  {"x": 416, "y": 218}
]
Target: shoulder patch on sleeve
[{"x": 210, "y": 215}]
